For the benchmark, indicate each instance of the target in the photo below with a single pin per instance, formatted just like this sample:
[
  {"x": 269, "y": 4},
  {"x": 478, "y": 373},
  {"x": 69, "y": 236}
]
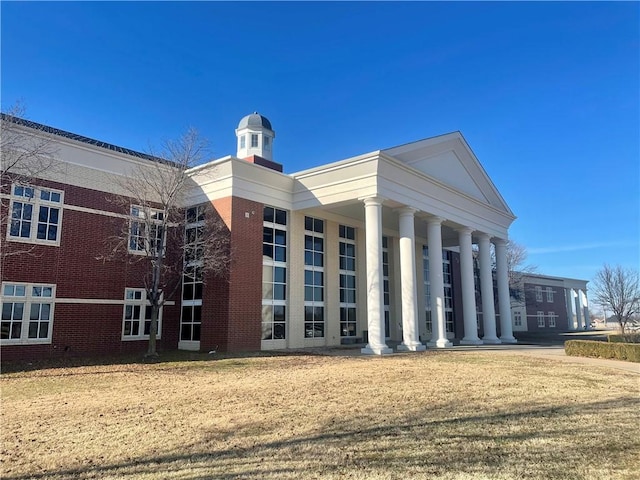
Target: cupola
[{"x": 255, "y": 137}]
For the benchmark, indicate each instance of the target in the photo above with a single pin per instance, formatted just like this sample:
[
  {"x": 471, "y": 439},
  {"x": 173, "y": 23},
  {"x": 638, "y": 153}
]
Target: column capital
[
  {"x": 372, "y": 200},
  {"x": 501, "y": 242},
  {"x": 435, "y": 220},
  {"x": 406, "y": 211},
  {"x": 465, "y": 230}
]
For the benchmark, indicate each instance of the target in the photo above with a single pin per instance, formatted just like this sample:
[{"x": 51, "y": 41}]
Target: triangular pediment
[{"x": 449, "y": 160}]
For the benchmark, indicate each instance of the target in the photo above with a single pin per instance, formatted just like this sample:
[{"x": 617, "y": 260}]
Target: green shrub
[
  {"x": 614, "y": 350},
  {"x": 626, "y": 338}
]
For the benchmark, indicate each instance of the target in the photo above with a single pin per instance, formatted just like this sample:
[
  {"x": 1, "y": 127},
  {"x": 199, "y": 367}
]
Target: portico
[{"x": 431, "y": 194}]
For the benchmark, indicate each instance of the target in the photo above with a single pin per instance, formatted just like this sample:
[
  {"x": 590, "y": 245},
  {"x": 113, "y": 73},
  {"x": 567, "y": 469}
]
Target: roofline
[{"x": 80, "y": 138}]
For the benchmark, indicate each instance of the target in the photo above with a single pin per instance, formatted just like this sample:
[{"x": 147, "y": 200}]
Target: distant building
[
  {"x": 540, "y": 303},
  {"x": 375, "y": 249}
]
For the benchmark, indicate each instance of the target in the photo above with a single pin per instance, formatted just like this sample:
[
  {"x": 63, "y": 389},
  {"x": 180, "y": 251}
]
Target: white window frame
[
  {"x": 541, "y": 320},
  {"x": 552, "y": 319},
  {"x": 549, "y": 295},
  {"x": 517, "y": 318},
  {"x": 271, "y": 264},
  {"x": 32, "y": 195},
  {"x": 256, "y": 144},
  {"x": 348, "y": 309},
  {"x": 138, "y": 212},
  {"x": 29, "y": 298},
  {"x": 538, "y": 293},
  {"x": 243, "y": 142},
  {"x": 313, "y": 268},
  {"x": 142, "y": 303}
]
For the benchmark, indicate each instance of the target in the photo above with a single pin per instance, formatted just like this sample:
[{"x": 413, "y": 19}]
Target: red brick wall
[{"x": 82, "y": 329}]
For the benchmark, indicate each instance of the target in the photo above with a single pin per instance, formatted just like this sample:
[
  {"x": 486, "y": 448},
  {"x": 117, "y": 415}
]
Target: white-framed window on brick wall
[
  {"x": 538, "y": 290},
  {"x": 549, "y": 295},
  {"x": 313, "y": 277},
  {"x": 552, "y": 319},
  {"x": 541, "y": 321},
  {"x": 192, "y": 279},
  {"x": 145, "y": 235},
  {"x": 136, "y": 321},
  {"x": 274, "y": 274},
  {"x": 347, "y": 272},
  {"x": 27, "y": 313},
  {"x": 36, "y": 214}
]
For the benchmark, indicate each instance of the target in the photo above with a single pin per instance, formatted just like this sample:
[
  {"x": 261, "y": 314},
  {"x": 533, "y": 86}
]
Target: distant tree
[
  {"x": 618, "y": 289},
  {"x": 158, "y": 233}
]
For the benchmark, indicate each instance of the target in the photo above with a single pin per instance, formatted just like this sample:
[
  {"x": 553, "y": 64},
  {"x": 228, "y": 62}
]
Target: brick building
[{"x": 341, "y": 253}]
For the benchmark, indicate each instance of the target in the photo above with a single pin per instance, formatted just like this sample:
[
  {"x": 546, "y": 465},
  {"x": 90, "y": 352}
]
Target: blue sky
[{"x": 547, "y": 94}]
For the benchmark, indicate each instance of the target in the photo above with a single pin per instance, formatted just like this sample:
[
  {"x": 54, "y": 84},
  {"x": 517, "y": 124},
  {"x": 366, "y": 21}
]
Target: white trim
[{"x": 99, "y": 301}]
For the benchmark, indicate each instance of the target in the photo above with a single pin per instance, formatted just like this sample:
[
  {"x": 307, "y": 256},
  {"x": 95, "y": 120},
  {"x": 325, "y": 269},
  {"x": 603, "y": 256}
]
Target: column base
[
  {"x": 412, "y": 347},
  {"x": 491, "y": 341},
  {"x": 441, "y": 343},
  {"x": 471, "y": 341},
  {"x": 508, "y": 340},
  {"x": 379, "y": 350}
]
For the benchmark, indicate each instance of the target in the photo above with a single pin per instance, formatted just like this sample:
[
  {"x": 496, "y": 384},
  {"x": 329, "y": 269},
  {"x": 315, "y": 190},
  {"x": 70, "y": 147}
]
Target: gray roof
[
  {"x": 255, "y": 120},
  {"x": 79, "y": 138}
]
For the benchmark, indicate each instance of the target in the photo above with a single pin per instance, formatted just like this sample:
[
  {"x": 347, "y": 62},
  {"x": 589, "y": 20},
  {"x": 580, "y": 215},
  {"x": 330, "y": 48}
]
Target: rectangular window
[
  {"x": 267, "y": 142},
  {"x": 313, "y": 277},
  {"x": 136, "y": 321},
  {"x": 146, "y": 231},
  {"x": 347, "y": 274},
  {"x": 549, "y": 295},
  {"x": 254, "y": 140},
  {"x": 517, "y": 319},
  {"x": 192, "y": 275},
  {"x": 448, "y": 290},
  {"x": 243, "y": 141},
  {"x": 427, "y": 288},
  {"x": 540, "y": 317},
  {"x": 552, "y": 319},
  {"x": 538, "y": 294},
  {"x": 274, "y": 274},
  {"x": 36, "y": 214},
  {"x": 27, "y": 313}
]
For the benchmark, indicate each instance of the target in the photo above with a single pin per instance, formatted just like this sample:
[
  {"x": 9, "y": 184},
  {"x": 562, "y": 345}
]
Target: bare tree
[
  {"x": 27, "y": 154},
  {"x": 157, "y": 232},
  {"x": 618, "y": 289},
  {"x": 518, "y": 268}
]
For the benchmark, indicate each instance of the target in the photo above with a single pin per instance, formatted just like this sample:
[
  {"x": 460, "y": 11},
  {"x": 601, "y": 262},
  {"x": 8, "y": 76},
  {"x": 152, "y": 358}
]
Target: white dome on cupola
[{"x": 255, "y": 137}]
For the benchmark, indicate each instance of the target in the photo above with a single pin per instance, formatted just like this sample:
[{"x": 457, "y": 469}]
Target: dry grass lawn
[{"x": 433, "y": 415}]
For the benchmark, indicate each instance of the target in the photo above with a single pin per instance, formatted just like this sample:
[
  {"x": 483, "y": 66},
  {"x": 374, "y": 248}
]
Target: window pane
[
  {"x": 55, "y": 197},
  {"x": 318, "y": 225},
  {"x": 267, "y": 235},
  {"x": 196, "y": 332},
  {"x": 280, "y": 275},
  {"x": 33, "y": 330},
  {"x": 267, "y": 251},
  {"x": 35, "y": 311},
  {"x": 18, "y": 309},
  {"x": 44, "y": 330},
  {"x": 281, "y": 254},
  {"x": 279, "y": 292},
  {"x": 197, "y": 313},
  {"x": 45, "y": 312},
  {"x": 268, "y": 214},
  {"x": 52, "y": 233},
  {"x": 281, "y": 237},
  {"x": 281, "y": 217},
  {"x": 16, "y": 330},
  {"x": 308, "y": 223},
  {"x": 21, "y": 290},
  {"x": 6, "y": 311}
]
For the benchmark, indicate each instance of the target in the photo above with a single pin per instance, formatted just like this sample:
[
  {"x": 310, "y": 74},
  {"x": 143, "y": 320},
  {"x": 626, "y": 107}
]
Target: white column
[
  {"x": 578, "y": 310},
  {"x": 469, "y": 309},
  {"x": 587, "y": 317},
  {"x": 434, "y": 241},
  {"x": 375, "y": 305},
  {"x": 568, "y": 295},
  {"x": 504, "y": 297},
  {"x": 486, "y": 290},
  {"x": 410, "y": 327}
]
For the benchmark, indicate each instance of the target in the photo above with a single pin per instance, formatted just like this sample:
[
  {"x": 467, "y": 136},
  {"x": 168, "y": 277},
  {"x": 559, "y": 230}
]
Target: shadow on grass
[
  {"x": 170, "y": 356},
  {"x": 532, "y": 443}
]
